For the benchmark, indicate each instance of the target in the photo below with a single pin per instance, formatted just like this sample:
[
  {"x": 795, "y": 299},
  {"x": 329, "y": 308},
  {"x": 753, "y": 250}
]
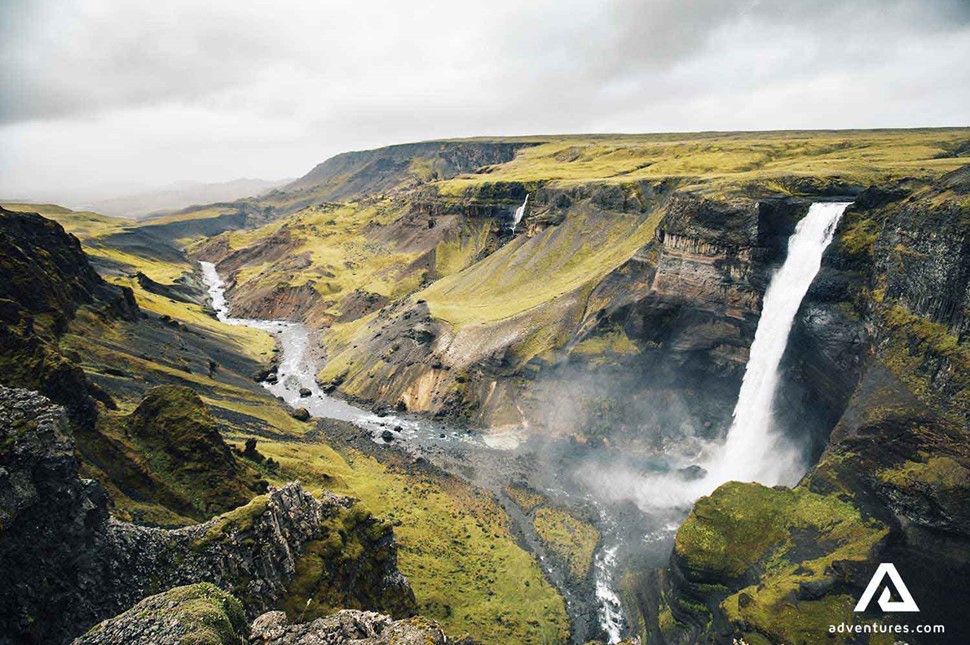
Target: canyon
[{"x": 548, "y": 337}]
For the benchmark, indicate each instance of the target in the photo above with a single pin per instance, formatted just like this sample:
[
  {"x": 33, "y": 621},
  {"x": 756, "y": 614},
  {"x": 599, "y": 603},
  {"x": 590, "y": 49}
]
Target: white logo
[{"x": 905, "y": 604}]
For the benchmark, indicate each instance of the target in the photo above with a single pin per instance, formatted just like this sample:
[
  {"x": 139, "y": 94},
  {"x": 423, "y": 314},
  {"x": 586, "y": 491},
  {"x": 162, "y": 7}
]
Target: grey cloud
[{"x": 97, "y": 91}]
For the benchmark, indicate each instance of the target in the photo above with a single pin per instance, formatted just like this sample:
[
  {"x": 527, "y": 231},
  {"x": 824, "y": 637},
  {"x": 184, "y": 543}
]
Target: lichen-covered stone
[
  {"x": 348, "y": 626},
  {"x": 200, "y": 614}
]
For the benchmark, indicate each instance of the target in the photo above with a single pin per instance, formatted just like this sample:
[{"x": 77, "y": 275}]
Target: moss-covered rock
[
  {"x": 68, "y": 565},
  {"x": 175, "y": 432},
  {"x": 772, "y": 560},
  {"x": 199, "y": 614}
]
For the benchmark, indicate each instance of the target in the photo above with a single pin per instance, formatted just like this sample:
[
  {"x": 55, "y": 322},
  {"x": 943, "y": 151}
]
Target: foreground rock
[
  {"x": 67, "y": 564},
  {"x": 349, "y": 626},
  {"x": 203, "y": 614}
]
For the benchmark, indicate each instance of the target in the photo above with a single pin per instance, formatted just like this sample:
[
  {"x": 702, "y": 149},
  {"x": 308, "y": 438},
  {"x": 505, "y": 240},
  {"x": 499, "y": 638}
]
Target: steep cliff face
[
  {"x": 68, "y": 565},
  {"x": 662, "y": 307},
  {"x": 46, "y": 278},
  {"x": 880, "y": 345}
]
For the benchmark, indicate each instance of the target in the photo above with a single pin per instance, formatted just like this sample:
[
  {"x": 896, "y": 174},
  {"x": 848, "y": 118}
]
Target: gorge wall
[{"x": 880, "y": 347}]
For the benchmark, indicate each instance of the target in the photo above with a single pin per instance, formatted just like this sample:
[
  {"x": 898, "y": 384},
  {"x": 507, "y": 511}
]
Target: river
[{"x": 492, "y": 465}]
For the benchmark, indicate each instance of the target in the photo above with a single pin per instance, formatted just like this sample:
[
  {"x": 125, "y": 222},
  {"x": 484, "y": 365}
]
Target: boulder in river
[
  {"x": 305, "y": 392},
  {"x": 300, "y": 414},
  {"x": 692, "y": 473},
  {"x": 387, "y": 436}
]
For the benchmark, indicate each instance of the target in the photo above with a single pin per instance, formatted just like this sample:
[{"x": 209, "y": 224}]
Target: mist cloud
[{"x": 141, "y": 92}]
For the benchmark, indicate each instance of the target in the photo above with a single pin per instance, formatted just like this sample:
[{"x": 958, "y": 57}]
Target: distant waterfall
[
  {"x": 751, "y": 450},
  {"x": 519, "y": 213}
]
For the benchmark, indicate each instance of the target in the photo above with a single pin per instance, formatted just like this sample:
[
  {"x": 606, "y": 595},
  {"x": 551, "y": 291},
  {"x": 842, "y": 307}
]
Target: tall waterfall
[
  {"x": 519, "y": 213},
  {"x": 753, "y": 451}
]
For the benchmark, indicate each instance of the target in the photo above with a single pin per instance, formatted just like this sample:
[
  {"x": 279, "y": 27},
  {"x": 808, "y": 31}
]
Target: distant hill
[{"x": 182, "y": 195}]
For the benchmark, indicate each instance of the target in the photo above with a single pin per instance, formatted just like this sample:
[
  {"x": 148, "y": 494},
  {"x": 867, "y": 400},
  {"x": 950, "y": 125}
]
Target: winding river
[{"x": 488, "y": 464}]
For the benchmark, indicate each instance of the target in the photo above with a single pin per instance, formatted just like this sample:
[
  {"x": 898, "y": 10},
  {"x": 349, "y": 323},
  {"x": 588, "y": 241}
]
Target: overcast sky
[{"x": 115, "y": 95}]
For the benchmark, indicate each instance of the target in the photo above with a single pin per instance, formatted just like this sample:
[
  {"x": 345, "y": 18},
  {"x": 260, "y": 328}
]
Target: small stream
[{"x": 489, "y": 464}]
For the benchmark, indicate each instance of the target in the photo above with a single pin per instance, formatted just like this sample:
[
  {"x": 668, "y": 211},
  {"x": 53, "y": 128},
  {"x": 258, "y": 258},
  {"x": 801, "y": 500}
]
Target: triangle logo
[{"x": 905, "y": 603}]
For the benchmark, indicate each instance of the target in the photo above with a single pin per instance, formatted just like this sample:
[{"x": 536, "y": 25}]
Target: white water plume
[
  {"x": 753, "y": 449},
  {"x": 519, "y": 213}
]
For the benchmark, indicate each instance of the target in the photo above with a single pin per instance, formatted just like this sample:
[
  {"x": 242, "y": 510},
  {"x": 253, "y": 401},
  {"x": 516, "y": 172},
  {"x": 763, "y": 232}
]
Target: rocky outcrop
[
  {"x": 67, "y": 564},
  {"x": 203, "y": 614},
  {"x": 349, "y": 626}
]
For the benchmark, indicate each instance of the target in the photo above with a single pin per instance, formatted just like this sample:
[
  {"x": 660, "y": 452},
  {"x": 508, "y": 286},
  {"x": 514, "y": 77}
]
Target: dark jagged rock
[
  {"x": 300, "y": 414},
  {"x": 68, "y": 565}
]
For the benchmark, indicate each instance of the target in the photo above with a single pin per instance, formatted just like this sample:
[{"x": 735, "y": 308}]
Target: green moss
[
  {"x": 238, "y": 520},
  {"x": 460, "y": 249},
  {"x": 177, "y": 435},
  {"x": 528, "y": 272},
  {"x": 569, "y": 538},
  {"x": 456, "y": 546},
  {"x": 912, "y": 349},
  {"x": 789, "y": 537},
  {"x": 344, "y": 570},
  {"x": 937, "y": 472},
  {"x": 860, "y": 237},
  {"x": 526, "y": 498},
  {"x": 615, "y": 343},
  {"x": 726, "y": 163},
  {"x": 199, "y": 614}
]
